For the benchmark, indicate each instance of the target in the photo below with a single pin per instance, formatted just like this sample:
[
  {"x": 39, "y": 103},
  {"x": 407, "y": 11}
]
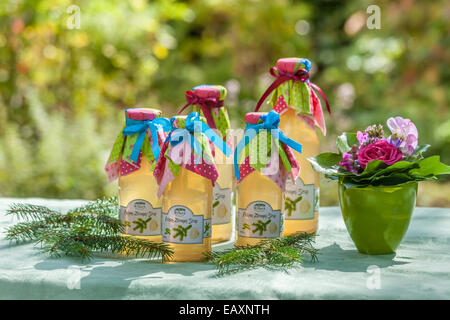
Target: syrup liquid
[
  {"x": 136, "y": 186},
  {"x": 222, "y": 198},
  {"x": 256, "y": 188},
  {"x": 307, "y": 208},
  {"x": 193, "y": 192}
]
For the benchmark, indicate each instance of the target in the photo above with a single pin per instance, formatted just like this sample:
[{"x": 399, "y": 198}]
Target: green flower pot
[{"x": 377, "y": 217}]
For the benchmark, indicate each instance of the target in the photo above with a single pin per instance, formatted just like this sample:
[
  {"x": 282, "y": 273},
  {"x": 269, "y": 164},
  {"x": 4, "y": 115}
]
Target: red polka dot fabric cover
[
  {"x": 119, "y": 162},
  {"x": 298, "y": 95},
  {"x": 174, "y": 157},
  {"x": 221, "y": 120},
  {"x": 280, "y": 165}
]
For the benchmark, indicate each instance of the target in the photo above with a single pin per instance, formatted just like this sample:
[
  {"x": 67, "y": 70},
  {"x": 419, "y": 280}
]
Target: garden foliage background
[{"x": 63, "y": 90}]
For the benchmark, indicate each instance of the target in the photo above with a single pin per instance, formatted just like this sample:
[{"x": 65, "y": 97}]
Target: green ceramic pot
[{"x": 377, "y": 217}]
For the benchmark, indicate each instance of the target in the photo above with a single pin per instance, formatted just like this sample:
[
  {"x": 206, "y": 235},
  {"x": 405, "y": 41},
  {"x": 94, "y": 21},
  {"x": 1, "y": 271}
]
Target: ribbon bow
[
  {"x": 139, "y": 126},
  {"x": 206, "y": 104},
  {"x": 194, "y": 125},
  {"x": 271, "y": 120},
  {"x": 281, "y": 77}
]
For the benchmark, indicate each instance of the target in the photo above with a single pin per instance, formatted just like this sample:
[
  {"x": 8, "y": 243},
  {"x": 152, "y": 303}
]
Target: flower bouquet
[{"x": 377, "y": 181}]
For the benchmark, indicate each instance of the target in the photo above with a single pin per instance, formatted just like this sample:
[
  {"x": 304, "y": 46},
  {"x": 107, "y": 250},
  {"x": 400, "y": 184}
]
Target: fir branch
[
  {"x": 280, "y": 253},
  {"x": 85, "y": 245},
  {"x": 25, "y": 231},
  {"x": 31, "y": 212},
  {"x": 104, "y": 207},
  {"x": 81, "y": 232}
]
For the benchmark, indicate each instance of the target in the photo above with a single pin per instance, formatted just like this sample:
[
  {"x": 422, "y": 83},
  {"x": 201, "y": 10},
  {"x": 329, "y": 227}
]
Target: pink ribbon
[
  {"x": 281, "y": 77},
  {"x": 206, "y": 104}
]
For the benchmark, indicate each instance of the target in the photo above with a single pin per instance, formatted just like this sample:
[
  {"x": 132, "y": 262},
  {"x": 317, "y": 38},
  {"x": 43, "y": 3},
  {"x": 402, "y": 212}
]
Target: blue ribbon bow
[
  {"x": 140, "y": 127},
  {"x": 271, "y": 120},
  {"x": 193, "y": 125}
]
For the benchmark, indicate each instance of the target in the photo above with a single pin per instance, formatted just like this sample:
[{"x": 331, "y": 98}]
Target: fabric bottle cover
[
  {"x": 292, "y": 65},
  {"x": 141, "y": 136},
  {"x": 208, "y": 100},
  {"x": 142, "y": 114},
  {"x": 278, "y": 165},
  {"x": 292, "y": 88},
  {"x": 188, "y": 146}
]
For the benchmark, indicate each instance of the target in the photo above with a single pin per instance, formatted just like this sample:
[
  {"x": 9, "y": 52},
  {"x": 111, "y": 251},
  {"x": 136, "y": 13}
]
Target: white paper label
[
  {"x": 259, "y": 220},
  {"x": 180, "y": 225},
  {"x": 221, "y": 211},
  {"x": 141, "y": 219},
  {"x": 300, "y": 200}
]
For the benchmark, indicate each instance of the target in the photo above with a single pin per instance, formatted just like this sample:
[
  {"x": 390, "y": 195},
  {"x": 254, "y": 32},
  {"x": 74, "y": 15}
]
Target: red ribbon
[
  {"x": 281, "y": 77},
  {"x": 206, "y": 104}
]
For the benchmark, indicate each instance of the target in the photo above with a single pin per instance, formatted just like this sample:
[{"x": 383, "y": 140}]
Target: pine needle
[
  {"x": 30, "y": 212},
  {"x": 80, "y": 232},
  {"x": 282, "y": 253}
]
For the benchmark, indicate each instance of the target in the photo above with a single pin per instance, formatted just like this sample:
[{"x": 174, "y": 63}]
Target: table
[{"x": 419, "y": 270}]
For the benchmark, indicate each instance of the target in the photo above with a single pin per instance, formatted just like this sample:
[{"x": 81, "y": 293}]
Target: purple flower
[
  {"x": 404, "y": 135},
  {"x": 350, "y": 160},
  {"x": 347, "y": 162}
]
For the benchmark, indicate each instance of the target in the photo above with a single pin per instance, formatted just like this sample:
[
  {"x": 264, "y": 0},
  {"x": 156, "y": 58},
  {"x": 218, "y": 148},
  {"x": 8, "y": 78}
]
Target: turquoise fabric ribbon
[
  {"x": 271, "y": 120},
  {"x": 193, "y": 125},
  {"x": 140, "y": 127}
]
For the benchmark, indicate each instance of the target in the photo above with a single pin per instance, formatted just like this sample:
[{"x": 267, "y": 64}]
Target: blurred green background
[{"x": 63, "y": 89}]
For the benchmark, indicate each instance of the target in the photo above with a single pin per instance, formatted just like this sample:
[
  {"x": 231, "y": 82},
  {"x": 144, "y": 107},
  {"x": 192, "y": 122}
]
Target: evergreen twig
[
  {"x": 80, "y": 232},
  {"x": 280, "y": 253},
  {"x": 31, "y": 212}
]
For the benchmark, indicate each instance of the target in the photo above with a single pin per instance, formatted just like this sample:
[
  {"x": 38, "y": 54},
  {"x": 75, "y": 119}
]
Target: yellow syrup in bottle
[
  {"x": 140, "y": 207},
  {"x": 222, "y": 198},
  {"x": 259, "y": 202},
  {"x": 301, "y": 201},
  {"x": 186, "y": 219}
]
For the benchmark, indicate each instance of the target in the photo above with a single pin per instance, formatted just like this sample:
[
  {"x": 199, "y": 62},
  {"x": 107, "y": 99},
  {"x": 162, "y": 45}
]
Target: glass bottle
[
  {"x": 212, "y": 98},
  {"x": 301, "y": 200},
  {"x": 259, "y": 192},
  {"x": 300, "y": 112},
  {"x": 140, "y": 208},
  {"x": 186, "y": 183}
]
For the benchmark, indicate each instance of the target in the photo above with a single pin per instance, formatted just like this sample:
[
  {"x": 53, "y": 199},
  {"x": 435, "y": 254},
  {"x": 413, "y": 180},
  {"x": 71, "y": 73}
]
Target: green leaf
[
  {"x": 372, "y": 167},
  {"x": 421, "y": 149},
  {"x": 326, "y": 163},
  {"x": 431, "y": 166},
  {"x": 346, "y": 141},
  {"x": 373, "y": 170}
]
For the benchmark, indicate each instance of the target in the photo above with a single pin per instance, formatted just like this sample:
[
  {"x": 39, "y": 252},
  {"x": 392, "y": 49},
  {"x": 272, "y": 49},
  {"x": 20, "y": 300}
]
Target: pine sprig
[
  {"x": 80, "y": 232},
  {"x": 83, "y": 246},
  {"x": 25, "y": 231},
  {"x": 31, "y": 212},
  {"x": 282, "y": 253},
  {"x": 104, "y": 206}
]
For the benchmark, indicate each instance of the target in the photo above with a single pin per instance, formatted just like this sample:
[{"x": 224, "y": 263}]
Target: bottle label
[
  {"x": 140, "y": 218},
  {"x": 316, "y": 199},
  {"x": 180, "y": 225},
  {"x": 300, "y": 201},
  {"x": 221, "y": 211},
  {"x": 259, "y": 220}
]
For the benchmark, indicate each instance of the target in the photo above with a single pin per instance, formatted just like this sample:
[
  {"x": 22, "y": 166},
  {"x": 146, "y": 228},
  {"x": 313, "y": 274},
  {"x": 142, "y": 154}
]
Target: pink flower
[
  {"x": 379, "y": 150},
  {"x": 362, "y": 137},
  {"x": 404, "y": 134}
]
